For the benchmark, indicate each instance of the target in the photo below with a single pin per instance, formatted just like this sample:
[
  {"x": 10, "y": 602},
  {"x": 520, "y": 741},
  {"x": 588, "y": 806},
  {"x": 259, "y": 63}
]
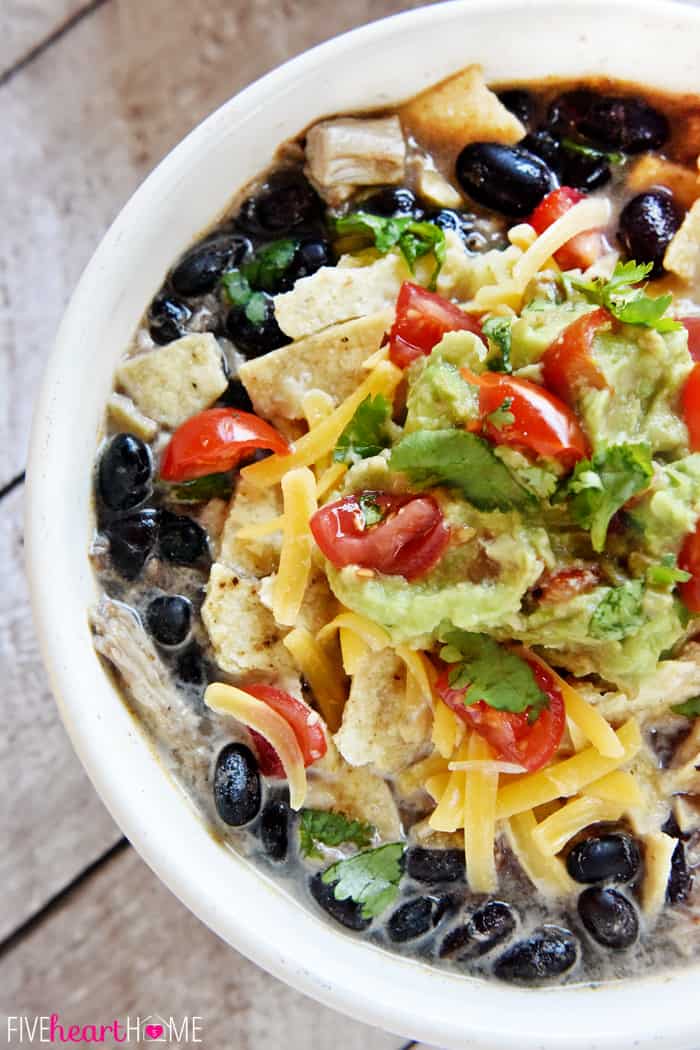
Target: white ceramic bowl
[{"x": 656, "y": 42}]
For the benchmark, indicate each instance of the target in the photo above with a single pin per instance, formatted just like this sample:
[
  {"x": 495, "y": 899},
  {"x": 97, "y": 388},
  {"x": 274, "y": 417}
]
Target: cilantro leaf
[
  {"x": 666, "y": 573},
  {"x": 619, "y": 613},
  {"x": 371, "y": 511},
  {"x": 461, "y": 460},
  {"x": 269, "y": 264},
  {"x": 490, "y": 672},
  {"x": 498, "y": 332},
  {"x": 236, "y": 287},
  {"x": 599, "y": 486},
  {"x": 626, "y": 302},
  {"x": 502, "y": 416},
  {"x": 413, "y": 238},
  {"x": 589, "y": 151},
  {"x": 332, "y": 829},
  {"x": 370, "y": 878},
  {"x": 366, "y": 433},
  {"x": 690, "y": 708},
  {"x": 207, "y": 487}
]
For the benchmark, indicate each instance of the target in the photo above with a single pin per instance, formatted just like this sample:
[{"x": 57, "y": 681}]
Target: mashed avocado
[
  {"x": 438, "y": 395},
  {"x": 539, "y": 324},
  {"x": 670, "y": 509}
]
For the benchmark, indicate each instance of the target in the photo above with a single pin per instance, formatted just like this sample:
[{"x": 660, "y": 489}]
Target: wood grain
[
  {"x": 26, "y": 23},
  {"x": 53, "y": 824},
  {"x": 122, "y": 945},
  {"x": 84, "y": 123}
]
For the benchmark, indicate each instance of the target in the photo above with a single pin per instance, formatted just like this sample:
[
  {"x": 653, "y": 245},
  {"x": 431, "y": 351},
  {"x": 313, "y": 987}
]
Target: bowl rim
[{"x": 338, "y": 970}]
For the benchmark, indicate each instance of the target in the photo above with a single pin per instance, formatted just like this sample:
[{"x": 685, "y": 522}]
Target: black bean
[
  {"x": 584, "y": 172},
  {"x": 508, "y": 179},
  {"x": 680, "y": 881},
  {"x": 309, "y": 257},
  {"x": 237, "y": 792},
  {"x": 647, "y": 225},
  {"x": 567, "y": 111},
  {"x": 181, "y": 539},
  {"x": 600, "y": 858},
  {"x": 285, "y": 201},
  {"x": 629, "y": 124},
  {"x": 255, "y": 338},
  {"x": 201, "y": 267},
  {"x": 131, "y": 540},
  {"x": 548, "y": 953},
  {"x": 274, "y": 829},
  {"x": 462, "y": 223},
  {"x": 391, "y": 201},
  {"x": 435, "y": 865},
  {"x": 520, "y": 103},
  {"x": 489, "y": 926},
  {"x": 610, "y": 918},
  {"x": 189, "y": 665},
  {"x": 169, "y": 617},
  {"x": 415, "y": 917},
  {"x": 124, "y": 473},
  {"x": 545, "y": 145},
  {"x": 236, "y": 396},
  {"x": 167, "y": 318},
  {"x": 347, "y": 912}
]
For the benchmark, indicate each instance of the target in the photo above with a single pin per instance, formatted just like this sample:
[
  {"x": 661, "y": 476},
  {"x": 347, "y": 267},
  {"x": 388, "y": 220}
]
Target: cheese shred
[{"x": 299, "y": 496}]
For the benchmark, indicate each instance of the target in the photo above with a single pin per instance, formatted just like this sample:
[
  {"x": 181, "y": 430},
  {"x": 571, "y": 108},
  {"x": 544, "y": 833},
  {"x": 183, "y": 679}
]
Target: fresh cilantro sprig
[
  {"x": 370, "y": 878},
  {"x": 619, "y": 613},
  {"x": 246, "y": 285},
  {"x": 590, "y": 151},
  {"x": 331, "y": 829},
  {"x": 366, "y": 433},
  {"x": 463, "y": 461},
  {"x": 498, "y": 332},
  {"x": 627, "y": 302},
  {"x": 599, "y": 486},
  {"x": 690, "y": 708},
  {"x": 490, "y": 672},
  {"x": 666, "y": 573},
  {"x": 209, "y": 486},
  {"x": 413, "y": 238}
]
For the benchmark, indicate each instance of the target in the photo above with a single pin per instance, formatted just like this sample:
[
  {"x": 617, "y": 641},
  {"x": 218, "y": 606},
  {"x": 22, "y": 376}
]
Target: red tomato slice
[
  {"x": 216, "y": 440},
  {"x": 692, "y": 326},
  {"x": 583, "y": 249},
  {"x": 422, "y": 318},
  {"x": 690, "y": 403},
  {"x": 689, "y": 561},
  {"x": 568, "y": 367},
  {"x": 304, "y": 722},
  {"x": 542, "y": 423},
  {"x": 567, "y": 583},
  {"x": 512, "y": 736},
  {"x": 408, "y": 541}
]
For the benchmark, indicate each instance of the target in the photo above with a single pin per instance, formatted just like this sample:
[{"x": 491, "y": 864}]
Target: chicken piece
[
  {"x": 651, "y": 170},
  {"x": 121, "y": 639},
  {"x": 460, "y": 110},
  {"x": 354, "y": 151},
  {"x": 252, "y": 506},
  {"x": 383, "y": 726},
  {"x": 339, "y": 293},
  {"x": 176, "y": 381},
  {"x": 330, "y": 361},
  {"x": 683, "y": 253}
]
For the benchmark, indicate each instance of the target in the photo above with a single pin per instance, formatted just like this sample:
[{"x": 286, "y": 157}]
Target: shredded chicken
[{"x": 344, "y": 154}]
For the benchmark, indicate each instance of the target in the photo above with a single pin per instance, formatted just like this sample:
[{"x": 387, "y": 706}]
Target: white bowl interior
[{"x": 382, "y": 63}]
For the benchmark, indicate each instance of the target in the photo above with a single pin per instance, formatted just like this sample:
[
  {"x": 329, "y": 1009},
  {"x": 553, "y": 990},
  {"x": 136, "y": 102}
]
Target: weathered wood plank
[
  {"x": 53, "y": 823},
  {"x": 122, "y": 946},
  {"x": 26, "y": 23},
  {"x": 85, "y": 122}
]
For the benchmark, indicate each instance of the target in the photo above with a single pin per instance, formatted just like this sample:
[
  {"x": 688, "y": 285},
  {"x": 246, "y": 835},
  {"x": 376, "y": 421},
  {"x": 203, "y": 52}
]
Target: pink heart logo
[{"x": 153, "y": 1031}]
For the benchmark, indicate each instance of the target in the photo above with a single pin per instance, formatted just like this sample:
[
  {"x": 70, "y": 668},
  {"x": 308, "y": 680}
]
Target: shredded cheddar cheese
[
  {"x": 299, "y": 496},
  {"x": 480, "y": 792},
  {"x": 555, "y": 831},
  {"x": 320, "y": 672}
]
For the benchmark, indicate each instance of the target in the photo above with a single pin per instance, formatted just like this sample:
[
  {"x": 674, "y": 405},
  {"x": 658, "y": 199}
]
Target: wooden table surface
[{"x": 92, "y": 95}]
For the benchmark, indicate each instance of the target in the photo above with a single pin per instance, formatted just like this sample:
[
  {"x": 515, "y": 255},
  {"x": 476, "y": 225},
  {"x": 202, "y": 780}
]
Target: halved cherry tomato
[
  {"x": 304, "y": 722},
  {"x": 512, "y": 736},
  {"x": 583, "y": 249},
  {"x": 690, "y": 402},
  {"x": 216, "y": 440},
  {"x": 692, "y": 326},
  {"x": 422, "y": 318},
  {"x": 689, "y": 561},
  {"x": 541, "y": 422},
  {"x": 408, "y": 541},
  {"x": 567, "y": 583},
  {"x": 568, "y": 367}
]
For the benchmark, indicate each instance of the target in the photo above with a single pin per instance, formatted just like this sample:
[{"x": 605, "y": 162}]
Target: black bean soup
[{"x": 155, "y": 540}]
